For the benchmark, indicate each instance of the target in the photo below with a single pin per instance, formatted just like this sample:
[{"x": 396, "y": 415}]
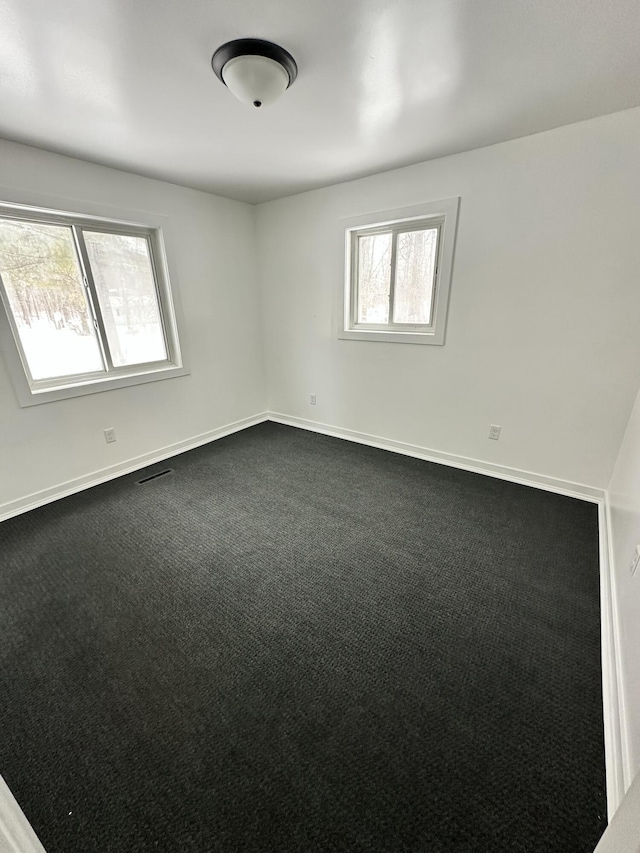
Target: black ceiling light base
[{"x": 253, "y": 47}]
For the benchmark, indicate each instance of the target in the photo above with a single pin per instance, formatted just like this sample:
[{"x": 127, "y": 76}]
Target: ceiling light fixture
[{"x": 256, "y": 71}]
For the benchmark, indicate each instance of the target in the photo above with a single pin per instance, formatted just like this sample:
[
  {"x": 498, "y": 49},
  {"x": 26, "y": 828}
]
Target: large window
[
  {"x": 398, "y": 273},
  {"x": 87, "y": 301}
]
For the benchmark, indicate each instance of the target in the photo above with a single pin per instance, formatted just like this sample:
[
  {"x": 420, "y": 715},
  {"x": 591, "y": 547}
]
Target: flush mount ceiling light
[{"x": 256, "y": 71}]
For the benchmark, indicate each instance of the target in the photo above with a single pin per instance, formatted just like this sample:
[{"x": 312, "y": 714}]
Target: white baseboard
[
  {"x": 16, "y": 834},
  {"x": 617, "y": 752},
  {"x": 621, "y": 836},
  {"x": 502, "y": 472},
  {"x": 46, "y": 496},
  {"x": 540, "y": 481}
]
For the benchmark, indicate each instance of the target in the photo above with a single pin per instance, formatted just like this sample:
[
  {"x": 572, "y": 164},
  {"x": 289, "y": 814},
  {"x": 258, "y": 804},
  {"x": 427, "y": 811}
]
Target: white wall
[
  {"x": 543, "y": 335},
  {"x": 211, "y": 242},
  {"x": 624, "y": 498}
]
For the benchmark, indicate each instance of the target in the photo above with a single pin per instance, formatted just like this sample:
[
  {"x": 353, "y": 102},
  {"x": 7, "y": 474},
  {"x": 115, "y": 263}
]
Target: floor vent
[{"x": 154, "y": 476}]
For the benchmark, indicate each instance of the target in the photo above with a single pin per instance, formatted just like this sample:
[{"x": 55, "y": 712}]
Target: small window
[
  {"x": 87, "y": 301},
  {"x": 398, "y": 273}
]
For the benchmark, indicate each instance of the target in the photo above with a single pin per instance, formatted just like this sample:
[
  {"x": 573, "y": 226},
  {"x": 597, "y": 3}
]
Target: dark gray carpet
[{"x": 295, "y": 643}]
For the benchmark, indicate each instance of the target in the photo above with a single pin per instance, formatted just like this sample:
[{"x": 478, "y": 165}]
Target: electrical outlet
[
  {"x": 110, "y": 435},
  {"x": 312, "y": 399},
  {"x": 494, "y": 432},
  {"x": 635, "y": 560}
]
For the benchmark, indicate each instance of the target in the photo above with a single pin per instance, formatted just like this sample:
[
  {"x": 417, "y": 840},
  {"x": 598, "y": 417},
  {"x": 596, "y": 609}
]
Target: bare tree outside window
[
  {"x": 374, "y": 278},
  {"x": 123, "y": 276},
  {"x": 44, "y": 286},
  {"x": 395, "y": 276},
  {"x": 415, "y": 267}
]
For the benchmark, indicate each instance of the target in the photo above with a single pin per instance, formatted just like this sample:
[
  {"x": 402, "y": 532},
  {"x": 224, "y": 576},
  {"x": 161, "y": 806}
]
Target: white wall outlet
[
  {"x": 312, "y": 399},
  {"x": 110, "y": 435},
  {"x": 494, "y": 432},
  {"x": 635, "y": 560}
]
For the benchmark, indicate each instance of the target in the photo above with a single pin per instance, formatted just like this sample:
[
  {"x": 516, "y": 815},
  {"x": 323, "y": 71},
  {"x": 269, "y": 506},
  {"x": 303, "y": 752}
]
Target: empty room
[{"x": 319, "y": 426}]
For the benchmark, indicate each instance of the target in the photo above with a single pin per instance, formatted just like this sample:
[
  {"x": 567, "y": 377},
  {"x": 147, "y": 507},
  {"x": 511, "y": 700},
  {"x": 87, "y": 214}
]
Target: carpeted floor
[{"x": 295, "y": 643}]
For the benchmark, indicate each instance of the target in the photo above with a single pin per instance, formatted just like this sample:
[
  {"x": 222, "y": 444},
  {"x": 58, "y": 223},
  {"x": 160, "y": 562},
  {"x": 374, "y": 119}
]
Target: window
[
  {"x": 398, "y": 272},
  {"x": 87, "y": 301}
]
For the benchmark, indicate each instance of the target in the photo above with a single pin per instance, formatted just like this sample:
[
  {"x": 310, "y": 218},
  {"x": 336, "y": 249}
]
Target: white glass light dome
[
  {"x": 255, "y": 80},
  {"x": 256, "y": 71}
]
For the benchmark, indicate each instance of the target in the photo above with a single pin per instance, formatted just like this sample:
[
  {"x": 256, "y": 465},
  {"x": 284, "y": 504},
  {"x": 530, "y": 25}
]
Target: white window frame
[
  {"x": 32, "y": 392},
  {"x": 442, "y": 215}
]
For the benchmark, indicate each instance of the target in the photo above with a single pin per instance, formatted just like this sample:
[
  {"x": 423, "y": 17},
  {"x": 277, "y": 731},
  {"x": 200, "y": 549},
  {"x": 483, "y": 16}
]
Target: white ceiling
[{"x": 381, "y": 83}]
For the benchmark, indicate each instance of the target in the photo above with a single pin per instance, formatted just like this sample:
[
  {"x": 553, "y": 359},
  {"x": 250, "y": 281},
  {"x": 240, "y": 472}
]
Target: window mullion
[
  {"x": 392, "y": 275},
  {"x": 168, "y": 344},
  {"x": 92, "y": 296},
  {"x": 436, "y": 270},
  {"x": 355, "y": 278}
]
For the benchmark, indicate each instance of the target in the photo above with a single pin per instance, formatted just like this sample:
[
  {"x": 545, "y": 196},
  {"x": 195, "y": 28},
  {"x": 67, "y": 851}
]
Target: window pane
[
  {"x": 415, "y": 265},
  {"x": 374, "y": 276},
  {"x": 126, "y": 289},
  {"x": 43, "y": 282}
]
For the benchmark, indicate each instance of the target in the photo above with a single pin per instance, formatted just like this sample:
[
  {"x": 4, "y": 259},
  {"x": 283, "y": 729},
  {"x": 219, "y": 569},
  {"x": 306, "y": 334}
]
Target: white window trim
[
  {"x": 443, "y": 213},
  {"x": 118, "y": 220}
]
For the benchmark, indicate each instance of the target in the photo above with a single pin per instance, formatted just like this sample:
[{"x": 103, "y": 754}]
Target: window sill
[
  {"x": 33, "y": 397},
  {"x": 434, "y": 338}
]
